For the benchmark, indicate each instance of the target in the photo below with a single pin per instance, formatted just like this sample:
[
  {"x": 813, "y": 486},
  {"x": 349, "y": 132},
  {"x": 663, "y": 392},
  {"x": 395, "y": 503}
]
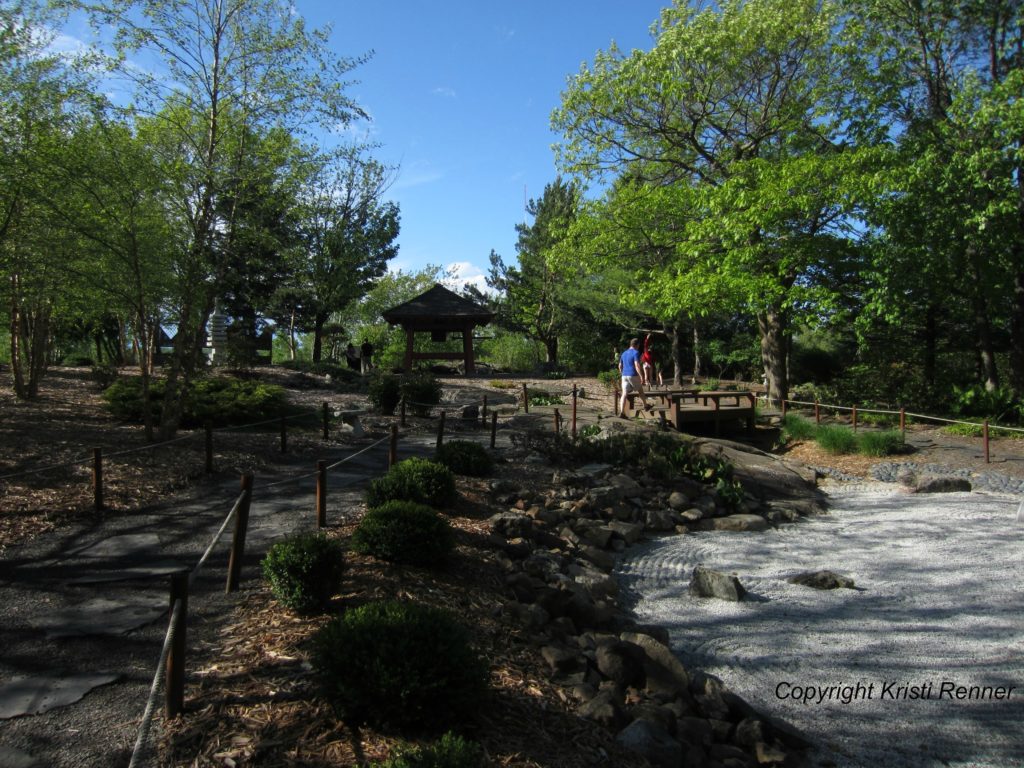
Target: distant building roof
[{"x": 436, "y": 308}]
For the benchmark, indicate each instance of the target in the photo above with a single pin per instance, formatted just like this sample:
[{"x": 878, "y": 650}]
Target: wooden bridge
[{"x": 688, "y": 405}]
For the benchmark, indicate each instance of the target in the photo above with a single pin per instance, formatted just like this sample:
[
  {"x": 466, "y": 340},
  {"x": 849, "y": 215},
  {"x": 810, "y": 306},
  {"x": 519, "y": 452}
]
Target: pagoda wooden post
[
  {"x": 467, "y": 348},
  {"x": 410, "y": 335}
]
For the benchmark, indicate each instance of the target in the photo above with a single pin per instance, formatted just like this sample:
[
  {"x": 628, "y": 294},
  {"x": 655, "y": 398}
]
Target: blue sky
[{"x": 460, "y": 93}]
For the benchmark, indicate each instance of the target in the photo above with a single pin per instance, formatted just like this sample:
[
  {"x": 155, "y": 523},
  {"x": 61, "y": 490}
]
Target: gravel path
[{"x": 937, "y": 606}]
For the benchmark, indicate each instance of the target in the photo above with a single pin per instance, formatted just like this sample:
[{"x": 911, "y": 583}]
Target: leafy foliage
[
  {"x": 422, "y": 391},
  {"x": 415, "y": 479},
  {"x": 836, "y": 440},
  {"x": 797, "y": 428},
  {"x": 404, "y": 532},
  {"x": 450, "y": 751},
  {"x": 221, "y": 401},
  {"x": 385, "y": 391},
  {"x": 399, "y": 665},
  {"x": 304, "y": 571},
  {"x": 465, "y": 457}
]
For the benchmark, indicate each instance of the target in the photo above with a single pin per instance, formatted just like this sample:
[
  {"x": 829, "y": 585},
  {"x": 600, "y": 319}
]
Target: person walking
[
  {"x": 629, "y": 370},
  {"x": 366, "y": 355},
  {"x": 647, "y": 365}
]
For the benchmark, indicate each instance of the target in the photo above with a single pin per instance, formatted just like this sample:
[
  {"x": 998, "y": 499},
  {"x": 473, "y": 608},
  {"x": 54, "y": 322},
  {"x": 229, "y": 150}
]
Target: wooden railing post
[
  {"x": 984, "y": 433},
  {"x": 326, "y": 420},
  {"x": 494, "y": 427},
  {"x": 483, "y": 412},
  {"x": 440, "y": 430},
  {"x": 526, "y": 399},
  {"x": 782, "y": 404},
  {"x": 97, "y": 478},
  {"x": 903, "y": 423},
  {"x": 817, "y": 411},
  {"x": 238, "y": 540},
  {"x": 393, "y": 447},
  {"x": 208, "y": 428},
  {"x": 574, "y": 395},
  {"x": 174, "y": 674},
  {"x": 321, "y": 494},
  {"x": 558, "y": 420}
]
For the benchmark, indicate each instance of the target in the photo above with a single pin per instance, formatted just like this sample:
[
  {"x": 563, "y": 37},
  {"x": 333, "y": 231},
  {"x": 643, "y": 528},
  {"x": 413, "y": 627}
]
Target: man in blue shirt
[{"x": 629, "y": 369}]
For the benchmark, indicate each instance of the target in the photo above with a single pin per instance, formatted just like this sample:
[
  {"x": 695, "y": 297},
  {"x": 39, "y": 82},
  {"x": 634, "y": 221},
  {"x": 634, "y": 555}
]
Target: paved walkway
[{"x": 83, "y": 613}]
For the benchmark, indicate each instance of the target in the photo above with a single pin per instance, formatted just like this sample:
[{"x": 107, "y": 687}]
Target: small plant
[
  {"x": 450, "y": 751},
  {"x": 422, "y": 391},
  {"x": 608, "y": 378},
  {"x": 404, "y": 532},
  {"x": 464, "y": 457},
  {"x": 105, "y": 374},
  {"x": 588, "y": 431},
  {"x": 502, "y": 384},
  {"x": 797, "y": 428},
  {"x": 836, "y": 440},
  {"x": 884, "y": 443},
  {"x": 415, "y": 479},
  {"x": 540, "y": 397},
  {"x": 304, "y": 571},
  {"x": 385, "y": 392},
  {"x": 399, "y": 665},
  {"x": 710, "y": 385}
]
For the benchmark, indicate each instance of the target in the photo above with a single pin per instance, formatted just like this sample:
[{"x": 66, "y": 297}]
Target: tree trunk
[
  {"x": 318, "y": 335},
  {"x": 1017, "y": 328},
  {"x": 696, "y": 352},
  {"x": 551, "y": 350},
  {"x": 931, "y": 335},
  {"x": 772, "y": 327},
  {"x": 30, "y": 341},
  {"x": 675, "y": 335},
  {"x": 291, "y": 337},
  {"x": 989, "y": 373}
]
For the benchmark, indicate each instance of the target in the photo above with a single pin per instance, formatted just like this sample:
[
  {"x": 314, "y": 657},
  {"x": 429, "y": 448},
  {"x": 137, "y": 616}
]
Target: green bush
[
  {"x": 464, "y": 457},
  {"x": 797, "y": 428},
  {"x": 404, "y": 532},
  {"x": 220, "y": 400},
  {"x": 385, "y": 391},
  {"x": 996, "y": 405},
  {"x": 836, "y": 440},
  {"x": 304, "y": 571},
  {"x": 450, "y": 751},
  {"x": 422, "y": 391},
  {"x": 398, "y": 665},
  {"x": 609, "y": 378},
  {"x": 541, "y": 397},
  {"x": 415, "y": 479},
  {"x": 884, "y": 443},
  {"x": 502, "y": 384}
]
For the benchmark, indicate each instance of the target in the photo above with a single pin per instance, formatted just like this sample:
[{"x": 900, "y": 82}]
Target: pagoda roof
[{"x": 438, "y": 306}]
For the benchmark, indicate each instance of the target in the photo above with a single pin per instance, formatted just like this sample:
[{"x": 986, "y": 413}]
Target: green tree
[
  {"x": 730, "y": 112},
  {"x": 229, "y": 67}
]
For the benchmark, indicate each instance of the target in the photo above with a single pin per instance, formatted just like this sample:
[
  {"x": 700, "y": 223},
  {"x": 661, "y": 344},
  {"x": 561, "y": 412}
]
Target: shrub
[
  {"x": 421, "y": 391},
  {"x": 608, "y": 378},
  {"x": 540, "y": 397},
  {"x": 884, "y": 443},
  {"x": 415, "y": 479},
  {"x": 385, "y": 392},
  {"x": 464, "y": 457},
  {"x": 124, "y": 398},
  {"x": 836, "y": 440},
  {"x": 404, "y": 532},
  {"x": 450, "y": 751},
  {"x": 398, "y": 665},
  {"x": 304, "y": 571},
  {"x": 502, "y": 384},
  {"x": 797, "y": 428}
]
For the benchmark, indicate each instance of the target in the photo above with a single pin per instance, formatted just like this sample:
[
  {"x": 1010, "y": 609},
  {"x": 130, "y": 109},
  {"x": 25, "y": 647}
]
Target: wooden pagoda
[{"x": 439, "y": 312}]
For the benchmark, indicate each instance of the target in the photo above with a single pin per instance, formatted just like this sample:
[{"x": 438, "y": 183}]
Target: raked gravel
[{"x": 939, "y": 605}]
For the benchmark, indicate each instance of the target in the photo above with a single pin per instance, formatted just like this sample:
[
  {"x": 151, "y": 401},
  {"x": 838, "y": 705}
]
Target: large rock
[
  {"x": 822, "y": 580},
  {"x": 678, "y": 501},
  {"x": 660, "y": 655},
  {"x": 706, "y": 582},
  {"x": 630, "y": 532},
  {"x": 605, "y": 709},
  {"x": 622, "y": 663},
  {"x": 653, "y": 742},
  {"x": 659, "y": 520},
  {"x": 738, "y": 523},
  {"x": 942, "y": 484},
  {"x": 512, "y": 525}
]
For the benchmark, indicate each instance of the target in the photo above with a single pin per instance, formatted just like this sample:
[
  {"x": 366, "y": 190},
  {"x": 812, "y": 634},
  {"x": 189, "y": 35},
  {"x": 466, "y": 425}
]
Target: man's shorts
[{"x": 630, "y": 384}]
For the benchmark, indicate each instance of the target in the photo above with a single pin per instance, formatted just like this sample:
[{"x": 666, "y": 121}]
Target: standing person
[
  {"x": 629, "y": 369},
  {"x": 366, "y": 355},
  {"x": 647, "y": 365},
  {"x": 352, "y": 357}
]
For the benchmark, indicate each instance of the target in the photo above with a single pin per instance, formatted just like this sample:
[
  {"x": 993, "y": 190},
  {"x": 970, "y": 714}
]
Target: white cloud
[
  {"x": 445, "y": 91},
  {"x": 417, "y": 174},
  {"x": 464, "y": 273}
]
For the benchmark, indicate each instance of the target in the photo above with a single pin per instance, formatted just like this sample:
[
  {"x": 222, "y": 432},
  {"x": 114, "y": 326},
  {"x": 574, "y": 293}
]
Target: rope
[
  {"x": 358, "y": 453},
  {"x": 216, "y": 538},
  {"x": 147, "y": 716},
  {"x": 46, "y": 469}
]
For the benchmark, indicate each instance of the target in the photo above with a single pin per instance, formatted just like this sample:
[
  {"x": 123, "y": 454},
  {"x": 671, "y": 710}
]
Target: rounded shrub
[
  {"x": 464, "y": 457},
  {"x": 422, "y": 391},
  {"x": 404, "y": 532},
  {"x": 836, "y": 440},
  {"x": 385, "y": 392},
  {"x": 304, "y": 571},
  {"x": 450, "y": 751},
  {"x": 398, "y": 665},
  {"x": 885, "y": 443},
  {"x": 415, "y": 479}
]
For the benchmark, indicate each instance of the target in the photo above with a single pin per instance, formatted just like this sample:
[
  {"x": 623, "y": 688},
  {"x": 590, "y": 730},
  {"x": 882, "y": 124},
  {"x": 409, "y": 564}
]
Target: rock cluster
[{"x": 558, "y": 546}]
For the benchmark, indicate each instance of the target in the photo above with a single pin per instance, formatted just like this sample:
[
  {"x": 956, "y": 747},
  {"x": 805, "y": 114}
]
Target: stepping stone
[
  {"x": 35, "y": 695},
  {"x": 101, "y": 616}
]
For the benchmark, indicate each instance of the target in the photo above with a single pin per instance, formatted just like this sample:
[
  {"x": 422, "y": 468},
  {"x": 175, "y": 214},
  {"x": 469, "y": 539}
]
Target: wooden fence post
[
  {"x": 440, "y": 430},
  {"x": 526, "y": 399},
  {"x": 238, "y": 540},
  {"x": 558, "y": 420},
  {"x": 174, "y": 674},
  {"x": 903, "y": 423},
  {"x": 326, "y": 419},
  {"x": 97, "y": 478},
  {"x": 494, "y": 427},
  {"x": 321, "y": 494},
  {"x": 208, "y": 428},
  {"x": 483, "y": 413},
  {"x": 984, "y": 432},
  {"x": 393, "y": 447},
  {"x": 817, "y": 411},
  {"x": 574, "y": 413},
  {"x": 782, "y": 405}
]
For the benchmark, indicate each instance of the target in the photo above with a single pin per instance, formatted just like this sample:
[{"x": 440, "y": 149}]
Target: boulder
[
  {"x": 511, "y": 525},
  {"x": 659, "y": 520},
  {"x": 653, "y": 742},
  {"x": 661, "y": 656},
  {"x": 736, "y": 523},
  {"x": 942, "y": 484},
  {"x": 822, "y": 580},
  {"x": 678, "y": 501},
  {"x": 630, "y": 532},
  {"x": 622, "y": 663},
  {"x": 561, "y": 660},
  {"x": 706, "y": 582},
  {"x": 605, "y": 709},
  {"x": 470, "y": 412}
]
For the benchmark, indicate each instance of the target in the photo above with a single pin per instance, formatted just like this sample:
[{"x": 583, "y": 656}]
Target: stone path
[{"x": 83, "y": 614}]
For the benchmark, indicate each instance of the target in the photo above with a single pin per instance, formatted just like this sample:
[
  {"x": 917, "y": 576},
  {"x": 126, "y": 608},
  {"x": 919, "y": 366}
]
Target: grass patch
[
  {"x": 836, "y": 440},
  {"x": 886, "y": 443},
  {"x": 976, "y": 430},
  {"x": 501, "y": 384},
  {"x": 797, "y": 428}
]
